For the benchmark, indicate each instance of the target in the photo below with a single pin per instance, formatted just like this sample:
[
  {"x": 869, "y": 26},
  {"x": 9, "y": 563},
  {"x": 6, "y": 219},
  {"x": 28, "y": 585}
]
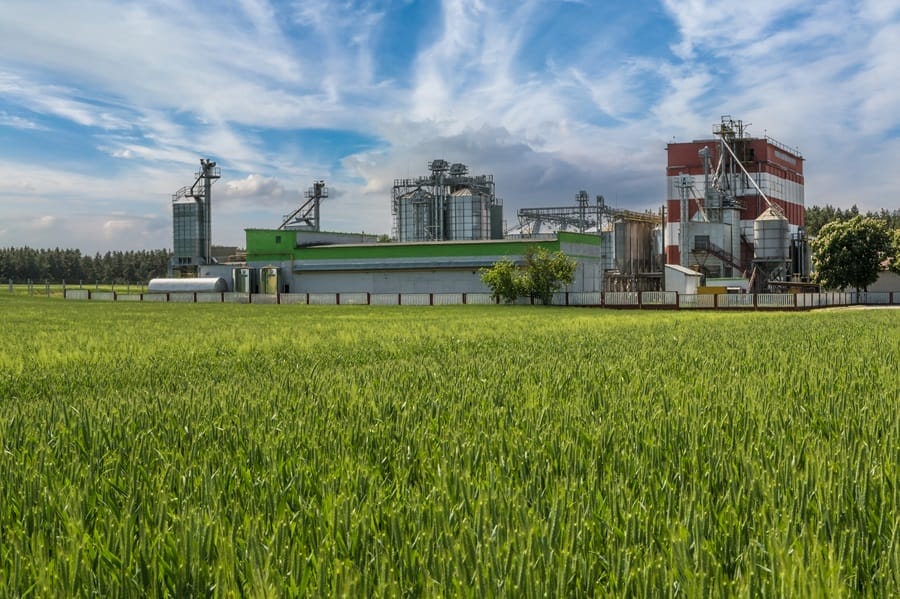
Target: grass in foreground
[{"x": 305, "y": 450}]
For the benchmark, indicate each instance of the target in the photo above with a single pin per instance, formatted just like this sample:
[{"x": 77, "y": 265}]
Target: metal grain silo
[
  {"x": 634, "y": 245},
  {"x": 245, "y": 280},
  {"x": 468, "y": 215},
  {"x": 269, "y": 279},
  {"x": 415, "y": 216},
  {"x": 770, "y": 237}
]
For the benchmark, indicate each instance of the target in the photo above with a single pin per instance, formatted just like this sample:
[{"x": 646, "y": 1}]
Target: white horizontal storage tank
[{"x": 187, "y": 285}]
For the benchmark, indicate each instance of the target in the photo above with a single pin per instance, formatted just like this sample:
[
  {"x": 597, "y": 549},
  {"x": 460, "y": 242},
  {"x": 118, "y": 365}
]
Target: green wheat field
[{"x": 234, "y": 450}]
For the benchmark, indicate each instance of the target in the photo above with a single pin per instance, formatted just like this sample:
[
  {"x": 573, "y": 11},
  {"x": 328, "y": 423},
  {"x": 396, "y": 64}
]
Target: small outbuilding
[{"x": 682, "y": 279}]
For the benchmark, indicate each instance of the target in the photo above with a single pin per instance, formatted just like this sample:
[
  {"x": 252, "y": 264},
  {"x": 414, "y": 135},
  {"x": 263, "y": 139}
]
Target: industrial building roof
[{"x": 273, "y": 245}]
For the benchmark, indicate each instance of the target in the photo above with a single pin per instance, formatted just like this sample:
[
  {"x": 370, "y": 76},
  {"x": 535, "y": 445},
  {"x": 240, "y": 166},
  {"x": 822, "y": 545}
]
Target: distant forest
[
  {"x": 818, "y": 216},
  {"x": 28, "y": 264}
]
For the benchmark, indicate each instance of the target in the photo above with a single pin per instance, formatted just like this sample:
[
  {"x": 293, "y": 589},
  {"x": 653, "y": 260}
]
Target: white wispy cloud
[
  {"x": 18, "y": 122},
  {"x": 156, "y": 84}
]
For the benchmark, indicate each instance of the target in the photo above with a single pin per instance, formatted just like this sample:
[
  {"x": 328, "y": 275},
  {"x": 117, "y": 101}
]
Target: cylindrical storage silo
[
  {"x": 415, "y": 216},
  {"x": 633, "y": 246},
  {"x": 460, "y": 223},
  {"x": 623, "y": 255},
  {"x": 770, "y": 237},
  {"x": 657, "y": 248},
  {"x": 269, "y": 279},
  {"x": 241, "y": 280},
  {"x": 246, "y": 280}
]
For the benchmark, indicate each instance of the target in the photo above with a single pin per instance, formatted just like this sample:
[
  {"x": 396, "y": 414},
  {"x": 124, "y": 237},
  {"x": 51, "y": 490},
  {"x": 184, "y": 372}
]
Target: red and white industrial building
[{"x": 735, "y": 205}]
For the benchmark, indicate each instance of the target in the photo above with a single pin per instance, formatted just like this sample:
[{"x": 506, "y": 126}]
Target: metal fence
[{"x": 620, "y": 299}]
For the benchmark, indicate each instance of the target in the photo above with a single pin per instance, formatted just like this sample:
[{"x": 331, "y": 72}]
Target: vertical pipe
[{"x": 207, "y": 213}]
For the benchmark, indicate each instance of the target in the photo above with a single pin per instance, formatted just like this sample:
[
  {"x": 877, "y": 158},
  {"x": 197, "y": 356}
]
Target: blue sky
[{"x": 107, "y": 106}]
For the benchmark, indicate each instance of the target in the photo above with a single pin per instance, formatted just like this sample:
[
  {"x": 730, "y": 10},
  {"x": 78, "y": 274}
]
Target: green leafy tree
[
  {"x": 505, "y": 280},
  {"x": 895, "y": 257},
  {"x": 546, "y": 273},
  {"x": 849, "y": 254}
]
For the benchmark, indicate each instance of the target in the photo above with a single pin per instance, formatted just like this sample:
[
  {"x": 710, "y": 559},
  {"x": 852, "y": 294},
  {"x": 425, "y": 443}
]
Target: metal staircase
[{"x": 721, "y": 254}]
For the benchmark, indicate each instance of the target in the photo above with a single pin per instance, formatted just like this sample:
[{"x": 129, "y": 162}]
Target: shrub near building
[{"x": 544, "y": 274}]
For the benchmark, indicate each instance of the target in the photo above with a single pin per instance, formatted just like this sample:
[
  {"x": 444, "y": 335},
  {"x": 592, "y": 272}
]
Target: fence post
[
  {"x": 368, "y": 298},
  {"x": 567, "y": 298},
  {"x": 337, "y": 299},
  {"x": 464, "y": 298},
  {"x": 430, "y": 299},
  {"x": 399, "y": 299}
]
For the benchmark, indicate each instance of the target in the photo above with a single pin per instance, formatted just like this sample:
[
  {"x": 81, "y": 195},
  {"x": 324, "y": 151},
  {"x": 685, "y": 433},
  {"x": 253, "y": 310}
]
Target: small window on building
[
  {"x": 278, "y": 239},
  {"x": 701, "y": 242}
]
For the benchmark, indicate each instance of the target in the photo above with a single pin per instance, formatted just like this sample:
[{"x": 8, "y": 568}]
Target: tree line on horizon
[
  {"x": 818, "y": 216},
  {"x": 57, "y": 265}
]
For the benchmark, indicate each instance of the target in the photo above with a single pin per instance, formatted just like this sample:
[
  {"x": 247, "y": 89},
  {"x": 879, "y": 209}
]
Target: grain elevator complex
[
  {"x": 735, "y": 207},
  {"x": 732, "y": 216}
]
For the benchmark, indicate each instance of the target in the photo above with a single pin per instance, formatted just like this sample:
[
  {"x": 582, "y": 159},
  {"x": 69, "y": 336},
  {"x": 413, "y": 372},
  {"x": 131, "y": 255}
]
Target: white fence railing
[
  {"x": 696, "y": 301},
  {"x": 617, "y": 299},
  {"x": 775, "y": 300},
  {"x": 293, "y": 298},
  {"x": 584, "y": 298},
  {"x": 384, "y": 299},
  {"x": 659, "y": 298},
  {"x": 622, "y": 298},
  {"x": 354, "y": 299}
]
